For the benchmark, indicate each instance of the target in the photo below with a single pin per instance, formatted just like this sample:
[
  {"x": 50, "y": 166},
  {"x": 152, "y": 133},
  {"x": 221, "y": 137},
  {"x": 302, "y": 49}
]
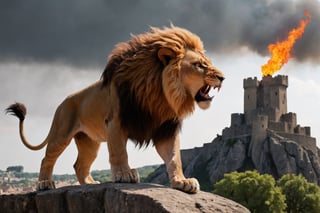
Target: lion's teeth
[
  {"x": 217, "y": 87},
  {"x": 208, "y": 88}
]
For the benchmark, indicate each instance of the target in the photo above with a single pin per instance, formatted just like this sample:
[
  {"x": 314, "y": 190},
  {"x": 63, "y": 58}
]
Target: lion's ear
[{"x": 165, "y": 55}]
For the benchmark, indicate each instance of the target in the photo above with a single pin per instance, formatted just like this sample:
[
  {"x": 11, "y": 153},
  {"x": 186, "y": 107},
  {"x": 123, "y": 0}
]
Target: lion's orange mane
[{"x": 148, "y": 98}]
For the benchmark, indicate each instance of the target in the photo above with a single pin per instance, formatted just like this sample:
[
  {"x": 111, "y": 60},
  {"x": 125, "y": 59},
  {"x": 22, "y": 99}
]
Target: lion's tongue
[{"x": 204, "y": 95}]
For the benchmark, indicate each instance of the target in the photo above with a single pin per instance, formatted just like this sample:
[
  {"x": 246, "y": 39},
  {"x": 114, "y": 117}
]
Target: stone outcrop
[
  {"x": 117, "y": 198},
  {"x": 273, "y": 156}
]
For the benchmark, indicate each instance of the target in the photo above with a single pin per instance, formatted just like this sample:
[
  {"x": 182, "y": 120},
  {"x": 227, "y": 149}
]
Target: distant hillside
[{"x": 13, "y": 181}]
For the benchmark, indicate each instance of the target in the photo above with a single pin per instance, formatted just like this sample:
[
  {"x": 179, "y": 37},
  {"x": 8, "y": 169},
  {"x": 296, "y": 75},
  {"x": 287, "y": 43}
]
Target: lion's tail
[{"x": 20, "y": 111}]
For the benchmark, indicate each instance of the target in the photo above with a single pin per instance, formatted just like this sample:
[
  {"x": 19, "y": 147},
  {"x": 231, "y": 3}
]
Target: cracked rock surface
[{"x": 117, "y": 198}]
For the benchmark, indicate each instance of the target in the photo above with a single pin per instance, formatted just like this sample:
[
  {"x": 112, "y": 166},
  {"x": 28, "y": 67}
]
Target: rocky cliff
[
  {"x": 117, "y": 198},
  {"x": 273, "y": 155}
]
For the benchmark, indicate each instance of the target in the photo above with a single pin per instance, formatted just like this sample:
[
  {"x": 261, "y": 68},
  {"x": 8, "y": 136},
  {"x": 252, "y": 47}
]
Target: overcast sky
[{"x": 49, "y": 49}]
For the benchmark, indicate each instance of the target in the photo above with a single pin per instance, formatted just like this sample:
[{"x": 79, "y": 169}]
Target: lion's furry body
[{"x": 150, "y": 84}]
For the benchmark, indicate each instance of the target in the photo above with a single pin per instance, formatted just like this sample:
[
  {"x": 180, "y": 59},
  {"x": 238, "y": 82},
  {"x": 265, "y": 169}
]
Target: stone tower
[
  {"x": 268, "y": 97},
  {"x": 265, "y": 114}
]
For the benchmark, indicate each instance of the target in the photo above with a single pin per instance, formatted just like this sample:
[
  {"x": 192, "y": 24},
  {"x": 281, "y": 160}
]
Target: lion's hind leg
[
  {"x": 60, "y": 135},
  {"x": 54, "y": 150},
  {"x": 87, "y": 153}
]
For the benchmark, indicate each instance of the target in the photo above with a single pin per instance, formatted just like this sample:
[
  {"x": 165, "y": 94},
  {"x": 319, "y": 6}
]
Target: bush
[
  {"x": 256, "y": 192},
  {"x": 301, "y": 196}
]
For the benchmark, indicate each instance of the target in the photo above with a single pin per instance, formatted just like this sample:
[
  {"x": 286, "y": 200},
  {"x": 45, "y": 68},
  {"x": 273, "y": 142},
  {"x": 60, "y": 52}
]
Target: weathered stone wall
[
  {"x": 307, "y": 142},
  {"x": 117, "y": 198}
]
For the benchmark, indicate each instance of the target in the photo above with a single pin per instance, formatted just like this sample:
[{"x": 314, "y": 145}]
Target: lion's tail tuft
[{"x": 18, "y": 110}]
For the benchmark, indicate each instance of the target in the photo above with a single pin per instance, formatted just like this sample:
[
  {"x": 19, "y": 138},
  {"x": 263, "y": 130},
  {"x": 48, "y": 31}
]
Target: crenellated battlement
[
  {"x": 279, "y": 80},
  {"x": 250, "y": 82}
]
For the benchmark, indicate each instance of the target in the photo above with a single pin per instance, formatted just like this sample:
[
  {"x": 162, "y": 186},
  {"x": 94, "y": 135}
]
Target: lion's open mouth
[{"x": 203, "y": 93}]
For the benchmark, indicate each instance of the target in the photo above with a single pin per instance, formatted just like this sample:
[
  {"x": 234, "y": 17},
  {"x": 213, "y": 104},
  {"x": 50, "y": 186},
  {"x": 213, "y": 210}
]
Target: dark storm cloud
[{"x": 81, "y": 32}]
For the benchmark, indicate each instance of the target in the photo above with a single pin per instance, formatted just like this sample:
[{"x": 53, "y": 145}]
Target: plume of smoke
[{"x": 82, "y": 32}]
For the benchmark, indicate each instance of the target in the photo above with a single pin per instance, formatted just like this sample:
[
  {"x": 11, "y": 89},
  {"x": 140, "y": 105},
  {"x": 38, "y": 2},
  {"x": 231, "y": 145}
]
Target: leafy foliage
[
  {"x": 101, "y": 175},
  {"x": 256, "y": 192},
  {"x": 105, "y": 175},
  {"x": 65, "y": 177},
  {"x": 145, "y": 171},
  {"x": 301, "y": 196},
  {"x": 26, "y": 175}
]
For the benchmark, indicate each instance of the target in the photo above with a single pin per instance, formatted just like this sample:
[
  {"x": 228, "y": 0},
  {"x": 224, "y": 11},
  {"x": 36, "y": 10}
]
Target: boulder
[{"x": 117, "y": 198}]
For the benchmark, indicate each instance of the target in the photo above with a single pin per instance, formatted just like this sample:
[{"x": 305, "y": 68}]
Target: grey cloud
[{"x": 80, "y": 32}]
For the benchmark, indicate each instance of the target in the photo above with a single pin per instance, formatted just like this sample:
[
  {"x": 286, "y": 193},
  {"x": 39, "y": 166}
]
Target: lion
[{"x": 148, "y": 87}]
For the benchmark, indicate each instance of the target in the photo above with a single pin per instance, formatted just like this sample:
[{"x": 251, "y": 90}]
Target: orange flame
[{"x": 280, "y": 52}]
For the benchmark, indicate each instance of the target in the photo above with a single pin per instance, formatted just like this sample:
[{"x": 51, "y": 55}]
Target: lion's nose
[{"x": 221, "y": 78}]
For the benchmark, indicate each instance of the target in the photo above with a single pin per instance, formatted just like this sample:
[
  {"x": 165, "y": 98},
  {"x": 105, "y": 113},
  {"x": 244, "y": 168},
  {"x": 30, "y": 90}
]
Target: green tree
[
  {"x": 15, "y": 169},
  {"x": 255, "y": 191},
  {"x": 301, "y": 196}
]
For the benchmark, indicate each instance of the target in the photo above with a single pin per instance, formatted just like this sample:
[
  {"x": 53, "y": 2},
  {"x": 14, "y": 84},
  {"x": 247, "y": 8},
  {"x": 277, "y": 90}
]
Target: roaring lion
[{"x": 150, "y": 84}]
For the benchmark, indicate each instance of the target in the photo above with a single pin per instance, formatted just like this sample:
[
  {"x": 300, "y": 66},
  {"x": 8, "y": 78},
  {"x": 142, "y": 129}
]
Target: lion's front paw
[
  {"x": 89, "y": 180},
  {"x": 190, "y": 185},
  {"x": 45, "y": 185},
  {"x": 129, "y": 176}
]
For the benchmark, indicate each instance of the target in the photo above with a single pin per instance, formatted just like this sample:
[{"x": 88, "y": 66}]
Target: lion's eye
[{"x": 199, "y": 65}]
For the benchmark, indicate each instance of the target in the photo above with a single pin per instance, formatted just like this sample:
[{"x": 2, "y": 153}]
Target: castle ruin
[{"x": 265, "y": 114}]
